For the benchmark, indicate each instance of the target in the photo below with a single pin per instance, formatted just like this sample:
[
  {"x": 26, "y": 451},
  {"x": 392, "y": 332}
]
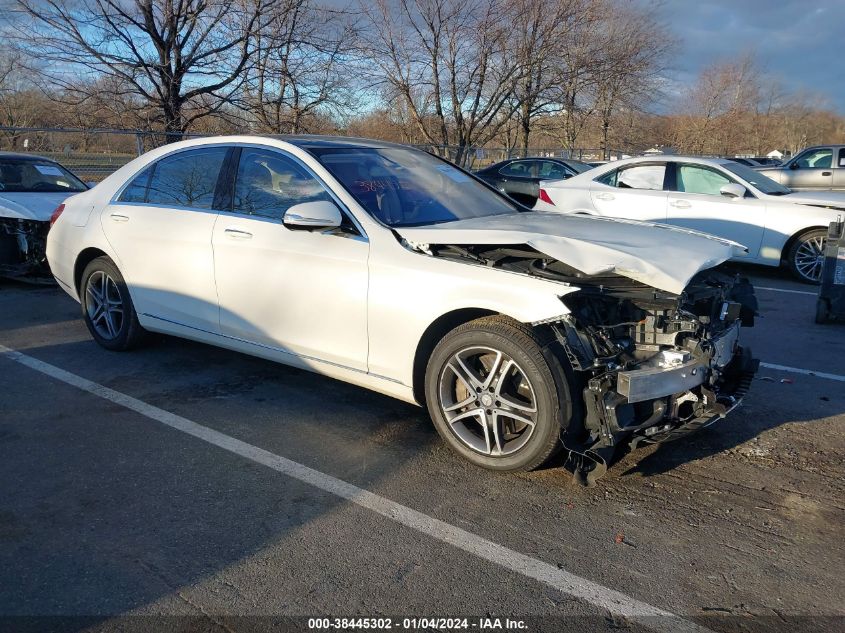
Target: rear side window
[
  {"x": 186, "y": 179},
  {"x": 841, "y": 162},
  {"x": 268, "y": 184},
  {"x": 647, "y": 177}
]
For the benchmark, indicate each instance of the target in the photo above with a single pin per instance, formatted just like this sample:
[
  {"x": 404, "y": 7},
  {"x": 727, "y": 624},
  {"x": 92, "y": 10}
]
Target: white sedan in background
[{"x": 716, "y": 196}]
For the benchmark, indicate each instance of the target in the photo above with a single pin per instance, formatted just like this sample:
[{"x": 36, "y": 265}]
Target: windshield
[
  {"x": 763, "y": 183},
  {"x": 29, "y": 175},
  {"x": 407, "y": 187}
]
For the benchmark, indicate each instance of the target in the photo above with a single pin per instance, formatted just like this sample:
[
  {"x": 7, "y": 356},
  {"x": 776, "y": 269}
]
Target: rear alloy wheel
[
  {"x": 107, "y": 307},
  {"x": 492, "y": 395},
  {"x": 806, "y": 256}
]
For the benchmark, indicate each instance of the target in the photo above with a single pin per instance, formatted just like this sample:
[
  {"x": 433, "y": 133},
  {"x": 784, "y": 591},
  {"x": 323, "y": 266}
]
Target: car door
[
  {"x": 518, "y": 180},
  {"x": 160, "y": 227},
  {"x": 839, "y": 170},
  {"x": 635, "y": 192},
  {"x": 696, "y": 202},
  {"x": 811, "y": 169},
  {"x": 300, "y": 291}
]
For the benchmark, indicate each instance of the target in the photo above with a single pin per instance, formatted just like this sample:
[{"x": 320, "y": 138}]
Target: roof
[
  {"x": 22, "y": 156},
  {"x": 314, "y": 141}
]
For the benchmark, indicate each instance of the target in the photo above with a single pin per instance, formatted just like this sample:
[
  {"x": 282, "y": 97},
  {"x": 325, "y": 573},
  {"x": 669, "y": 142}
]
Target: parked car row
[{"x": 717, "y": 196}]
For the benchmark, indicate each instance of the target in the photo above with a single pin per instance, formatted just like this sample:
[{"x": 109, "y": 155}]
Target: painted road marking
[
  {"x": 591, "y": 592},
  {"x": 806, "y": 372},
  {"x": 794, "y": 292}
]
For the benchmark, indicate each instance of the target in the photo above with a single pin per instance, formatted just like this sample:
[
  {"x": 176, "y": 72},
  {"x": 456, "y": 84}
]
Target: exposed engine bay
[
  {"x": 651, "y": 366},
  {"x": 22, "y": 248}
]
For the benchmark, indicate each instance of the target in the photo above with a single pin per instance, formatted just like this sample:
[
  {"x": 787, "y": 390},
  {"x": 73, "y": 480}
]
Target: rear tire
[
  {"x": 107, "y": 307},
  {"x": 806, "y": 255},
  {"x": 495, "y": 397}
]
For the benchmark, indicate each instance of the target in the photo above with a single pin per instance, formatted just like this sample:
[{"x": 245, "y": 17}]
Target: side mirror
[
  {"x": 321, "y": 214},
  {"x": 732, "y": 190},
  {"x": 793, "y": 165}
]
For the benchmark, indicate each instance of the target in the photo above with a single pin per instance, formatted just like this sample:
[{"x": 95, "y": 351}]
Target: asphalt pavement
[{"x": 183, "y": 487}]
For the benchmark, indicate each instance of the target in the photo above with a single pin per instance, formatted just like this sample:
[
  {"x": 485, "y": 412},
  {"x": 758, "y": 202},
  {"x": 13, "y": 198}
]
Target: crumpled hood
[
  {"x": 30, "y": 206},
  {"x": 658, "y": 255},
  {"x": 828, "y": 198}
]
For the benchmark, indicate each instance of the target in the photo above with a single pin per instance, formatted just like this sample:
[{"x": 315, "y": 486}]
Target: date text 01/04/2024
[{"x": 416, "y": 623}]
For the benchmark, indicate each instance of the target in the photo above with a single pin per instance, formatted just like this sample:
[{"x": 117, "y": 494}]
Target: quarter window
[
  {"x": 841, "y": 162},
  {"x": 698, "y": 179},
  {"x": 136, "y": 191},
  {"x": 186, "y": 179},
  {"x": 268, "y": 184}
]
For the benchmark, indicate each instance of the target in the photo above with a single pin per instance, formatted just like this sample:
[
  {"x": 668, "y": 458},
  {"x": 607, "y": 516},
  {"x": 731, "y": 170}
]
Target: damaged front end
[
  {"x": 655, "y": 366},
  {"x": 23, "y": 249},
  {"x": 651, "y": 365}
]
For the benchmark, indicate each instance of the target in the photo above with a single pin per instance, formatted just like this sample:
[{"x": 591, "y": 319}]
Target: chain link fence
[{"x": 93, "y": 154}]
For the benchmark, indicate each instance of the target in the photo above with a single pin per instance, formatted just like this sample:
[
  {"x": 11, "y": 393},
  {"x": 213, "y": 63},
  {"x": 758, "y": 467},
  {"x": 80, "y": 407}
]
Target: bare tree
[
  {"x": 301, "y": 66},
  {"x": 182, "y": 57},
  {"x": 635, "y": 49},
  {"x": 712, "y": 107},
  {"x": 450, "y": 62}
]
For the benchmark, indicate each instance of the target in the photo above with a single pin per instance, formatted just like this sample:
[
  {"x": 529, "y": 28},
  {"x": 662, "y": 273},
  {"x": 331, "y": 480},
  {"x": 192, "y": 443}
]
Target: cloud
[{"x": 797, "y": 41}]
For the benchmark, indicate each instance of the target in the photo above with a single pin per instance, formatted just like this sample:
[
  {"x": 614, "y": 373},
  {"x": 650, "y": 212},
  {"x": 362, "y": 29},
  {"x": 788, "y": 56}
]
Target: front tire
[
  {"x": 495, "y": 397},
  {"x": 107, "y": 307},
  {"x": 806, "y": 255}
]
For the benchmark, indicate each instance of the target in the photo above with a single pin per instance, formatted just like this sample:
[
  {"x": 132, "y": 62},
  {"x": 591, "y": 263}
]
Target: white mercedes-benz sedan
[
  {"x": 776, "y": 225},
  {"x": 384, "y": 266}
]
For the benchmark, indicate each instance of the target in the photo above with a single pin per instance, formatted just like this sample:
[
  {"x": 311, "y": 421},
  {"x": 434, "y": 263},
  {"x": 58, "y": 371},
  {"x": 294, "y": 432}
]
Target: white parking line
[
  {"x": 806, "y": 372},
  {"x": 598, "y": 595},
  {"x": 793, "y": 292}
]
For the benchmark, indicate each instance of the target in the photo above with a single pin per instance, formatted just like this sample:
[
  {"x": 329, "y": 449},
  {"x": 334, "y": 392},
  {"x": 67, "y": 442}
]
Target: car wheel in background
[
  {"x": 806, "y": 255},
  {"x": 107, "y": 307},
  {"x": 493, "y": 395}
]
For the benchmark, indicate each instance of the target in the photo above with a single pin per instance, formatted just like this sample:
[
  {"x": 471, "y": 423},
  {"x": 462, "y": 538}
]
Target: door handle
[
  {"x": 680, "y": 204},
  {"x": 237, "y": 234},
  {"x": 826, "y": 173},
  {"x": 119, "y": 217},
  {"x": 605, "y": 196}
]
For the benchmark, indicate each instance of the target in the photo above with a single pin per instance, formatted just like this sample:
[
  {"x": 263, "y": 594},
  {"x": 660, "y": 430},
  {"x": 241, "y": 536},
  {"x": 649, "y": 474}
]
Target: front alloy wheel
[
  {"x": 488, "y": 401},
  {"x": 807, "y": 256},
  {"x": 495, "y": 396}
]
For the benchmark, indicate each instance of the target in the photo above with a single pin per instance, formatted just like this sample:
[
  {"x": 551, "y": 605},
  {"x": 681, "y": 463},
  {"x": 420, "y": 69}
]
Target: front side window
[
  {"x": 698, "y": 179},
  {"x": 407, "y": 187},
  {"x": 28, "y": 175},
  {"x": 645, "y": 177},
  {"x": 815, "y": 159},
  {"x": 552, "y": 171},
  {"x": 518, "y": 169},
  {"x": 185, "y": 179},
  {"x": 268, "y": 184}
]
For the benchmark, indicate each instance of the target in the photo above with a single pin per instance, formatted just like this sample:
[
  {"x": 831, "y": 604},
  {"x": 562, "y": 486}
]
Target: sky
[{"x": 799, "y": 41}]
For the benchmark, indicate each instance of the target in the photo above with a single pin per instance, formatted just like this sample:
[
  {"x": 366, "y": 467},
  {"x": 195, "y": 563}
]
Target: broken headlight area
[
  {"x": 23, "y": 248},
  {"x": 654, "y": 366}
]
